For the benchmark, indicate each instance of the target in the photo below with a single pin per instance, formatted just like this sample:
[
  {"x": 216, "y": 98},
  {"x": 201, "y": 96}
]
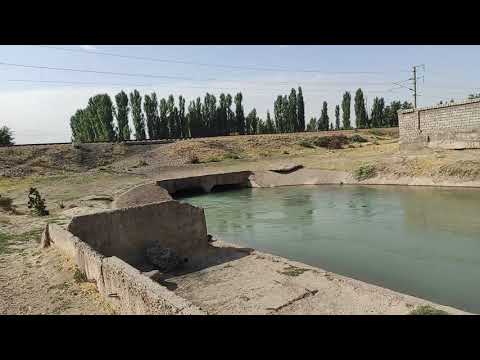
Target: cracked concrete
[{"x": 263, "y": 284}]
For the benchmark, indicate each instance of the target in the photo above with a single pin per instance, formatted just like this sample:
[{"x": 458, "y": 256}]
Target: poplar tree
[
  {"x": 230, "y": 115},
  {"x": 172, "y": 121},
  {"x": 121, "y": 113},
  {"x": 150, "y": 107},
  {"x": 323, "y": 122},
  {"x": 164, "y": 131},
  {"x": 182, "y": 118},
  {"x": 239, "y": 114},
  {"x": 292, "y": 111},
  {"x": 337, "y": 117},
  {"x": 269, "y": 125},
  {"x": 346, "y": 110},
  {"x": 300, "y": 111},
  {"x": 312, "y": 125},
  {"x": 360, "y": 111},
  {"x": 137, "y": 115}
]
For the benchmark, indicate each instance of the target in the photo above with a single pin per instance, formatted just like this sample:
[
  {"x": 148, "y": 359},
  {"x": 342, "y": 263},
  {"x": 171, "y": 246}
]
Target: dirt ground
[{"x": 83, "y": 179}]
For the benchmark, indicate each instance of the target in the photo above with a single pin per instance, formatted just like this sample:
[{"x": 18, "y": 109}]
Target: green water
[{"x": 420, "y": 241}]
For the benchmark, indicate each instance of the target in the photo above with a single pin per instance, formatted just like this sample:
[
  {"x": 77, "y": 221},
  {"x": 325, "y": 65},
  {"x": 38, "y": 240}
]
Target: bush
[
  {"x": 427, "y": 310},
  {"x": 194, "y": 159},
  {"x": 358, "y": 138},
  {"x": 36, "y": 203},
  {"x": 365, "y": 172},
  {"x": 331, "y": 142},
  {"x": 6, "y": 136},
  {"x": 6, "y": 203},
  {"x": 231, "y": 156},
  {"x": 79, "y": 276}
]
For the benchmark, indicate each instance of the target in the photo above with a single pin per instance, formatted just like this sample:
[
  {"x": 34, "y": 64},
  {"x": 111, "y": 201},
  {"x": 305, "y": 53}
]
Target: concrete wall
[
  {"x": 205, "y": 182},
  {"x": 124, "y": 287},
  {"x": 127, "y": 233},
  {"x": 451, "y": 126}
]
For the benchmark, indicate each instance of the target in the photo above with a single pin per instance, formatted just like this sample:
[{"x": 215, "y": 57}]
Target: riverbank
[{"x": 72, "y": 192}]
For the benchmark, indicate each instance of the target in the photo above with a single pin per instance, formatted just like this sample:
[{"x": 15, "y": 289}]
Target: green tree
[
  {"x": 6, "y": 136},
  {"x": 100, "y": 111},
  {"x": 252, "y": 122},
  {"x": 164, "y": 132},
  {"x": 300, "y": 110},
  {"x": 312, "y": 125},
  {"x": 278, "y": 114},
  {"x": 391, "y": 113},
  {"x": 230, "y": 115},
  {"x": 269, "y": 125},
  {"x": 239, "y": 114},
  {"x": 172, "y": 119},
  {"x": 346, "y": 103},
  {"x": 292, "y": 111},
  {"x": 137, "y": 115},
  {"x": 121, "y": 114},
  {"x": 378, "y": 113},
  {"x": 360, "y": 111},
  {"x": 337, "y": 117},
  {"x": 183, "y": 124},
  {"x": 323, "y": 122},
  {"x": 222, "y": 122},
  {"x": 150, "y": 106}
]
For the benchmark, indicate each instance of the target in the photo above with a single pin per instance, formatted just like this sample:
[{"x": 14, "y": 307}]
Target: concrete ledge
[
  {"x": 130, "y": 292},
  {"x": 62, "y": 239},
  {"x": 205, "y": 182}
]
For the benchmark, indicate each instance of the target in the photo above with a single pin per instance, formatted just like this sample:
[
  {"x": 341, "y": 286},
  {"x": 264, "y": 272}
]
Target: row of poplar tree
[
  {"x": 380, "y": 116},
  {"x": 167, "y": 119}
]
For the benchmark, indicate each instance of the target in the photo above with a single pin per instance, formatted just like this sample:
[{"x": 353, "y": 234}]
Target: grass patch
[
  {"x": 292, "y": 271},
  {"x": 6, "y": 203},
  {"x": 427, "y": 310},
  {"x": 6, "y": 240},
  {"x": 232, "y": 156},
  {"x": 79, "y": 276},
  {"x": 306, "y": 143},
  {"x": 212, "y": 159},
  {"x": 365, "y": 172}
]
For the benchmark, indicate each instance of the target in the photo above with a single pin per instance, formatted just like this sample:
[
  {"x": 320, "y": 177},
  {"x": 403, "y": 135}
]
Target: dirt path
[{"x": 35, "y": 281}]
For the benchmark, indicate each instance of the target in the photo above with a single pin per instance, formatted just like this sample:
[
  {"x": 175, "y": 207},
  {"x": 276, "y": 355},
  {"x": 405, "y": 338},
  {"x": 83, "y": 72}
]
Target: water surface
[{"x": 417, "y": 240}]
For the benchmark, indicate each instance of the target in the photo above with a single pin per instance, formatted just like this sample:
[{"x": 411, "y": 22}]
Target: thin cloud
[
  {"x": 88, "y": 47},
  {"x": 284, "y": 46}
]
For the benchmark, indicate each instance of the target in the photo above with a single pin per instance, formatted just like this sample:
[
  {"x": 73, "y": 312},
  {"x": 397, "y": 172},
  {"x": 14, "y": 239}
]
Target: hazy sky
[{"x": 40, "y": 111}]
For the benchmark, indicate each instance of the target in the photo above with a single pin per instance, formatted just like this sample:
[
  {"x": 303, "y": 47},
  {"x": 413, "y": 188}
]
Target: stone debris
[{"x": 164, "y": 259}]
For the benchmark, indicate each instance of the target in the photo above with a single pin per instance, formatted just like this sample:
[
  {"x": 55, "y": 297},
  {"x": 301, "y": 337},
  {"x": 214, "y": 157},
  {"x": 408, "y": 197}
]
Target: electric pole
[{"x": 414, "y": 87}]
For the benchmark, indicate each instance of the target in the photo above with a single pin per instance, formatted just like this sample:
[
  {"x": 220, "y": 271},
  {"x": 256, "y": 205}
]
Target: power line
[{"x": 252, "y": 68}]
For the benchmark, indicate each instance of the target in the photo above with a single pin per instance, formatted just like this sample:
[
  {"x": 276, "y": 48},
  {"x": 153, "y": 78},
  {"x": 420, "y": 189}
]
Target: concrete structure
[
  {"x": 127, "y": 233},
  {"x": 206, "y": 182},
  {"x": 109, "y": 247},
  {"x": 447, "y": 126}
]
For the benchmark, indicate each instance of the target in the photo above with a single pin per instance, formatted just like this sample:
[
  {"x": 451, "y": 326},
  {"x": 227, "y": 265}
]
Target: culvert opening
[
  {"x": 227, "y": 187},
  {"x": 188, "y": 192}
]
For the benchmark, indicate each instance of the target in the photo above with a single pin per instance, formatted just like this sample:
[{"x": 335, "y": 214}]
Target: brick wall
[{"x": 454, "y": 125}]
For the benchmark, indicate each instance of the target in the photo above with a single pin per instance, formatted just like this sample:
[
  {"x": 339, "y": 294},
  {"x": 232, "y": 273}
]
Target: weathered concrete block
[
  {"x": 127, "y": 233},
  {"x": 62, "y": 239}
]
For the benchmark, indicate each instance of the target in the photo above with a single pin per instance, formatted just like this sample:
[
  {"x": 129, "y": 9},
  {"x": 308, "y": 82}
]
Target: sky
[{"x": 37, "y": 103}]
